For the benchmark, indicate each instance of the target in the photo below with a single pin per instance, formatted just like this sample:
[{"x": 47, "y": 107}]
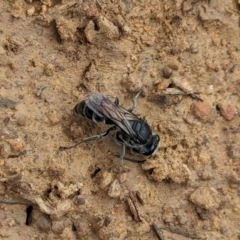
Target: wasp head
[{"x": 150, "y": 147}]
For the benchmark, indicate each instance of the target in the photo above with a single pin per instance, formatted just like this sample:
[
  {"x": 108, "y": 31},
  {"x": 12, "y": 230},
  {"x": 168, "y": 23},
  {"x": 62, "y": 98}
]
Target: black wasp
[{"x": 131, "y": 130}]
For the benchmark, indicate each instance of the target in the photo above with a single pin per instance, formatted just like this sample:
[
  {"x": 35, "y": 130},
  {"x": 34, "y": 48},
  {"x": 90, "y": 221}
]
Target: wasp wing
[
  {"x": 119, "y": 116},
  {"x": 104, "y": 105},
  {"x": 94, "y": 100}
]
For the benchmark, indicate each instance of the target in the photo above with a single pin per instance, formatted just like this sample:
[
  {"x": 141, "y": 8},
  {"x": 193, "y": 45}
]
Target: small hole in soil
[
  {"x": 96, "y": 27},
  {"x": 74, "y": 228},
  {"x": 150, "y": 171},
  {"x": 174, "y": 147},
  {"x": 96, "y": 171},
  {"x": 171, "y": 85},
  {"x": 29, "y": 215},
  {"x": 167, "y": 180},
  {"x": 47, "y": 192},
  {"x": 57, "y": 35},
  {"x": 162, "y": 100},
  {"x": 217, "y": 108}
]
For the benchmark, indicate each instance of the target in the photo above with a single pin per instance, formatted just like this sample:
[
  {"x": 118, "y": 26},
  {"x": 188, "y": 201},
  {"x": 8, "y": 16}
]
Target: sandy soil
[{"x": 183, "y": 55}]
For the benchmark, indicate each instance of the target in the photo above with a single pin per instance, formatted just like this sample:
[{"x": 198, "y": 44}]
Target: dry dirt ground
[{"x": 184, "y": 56}]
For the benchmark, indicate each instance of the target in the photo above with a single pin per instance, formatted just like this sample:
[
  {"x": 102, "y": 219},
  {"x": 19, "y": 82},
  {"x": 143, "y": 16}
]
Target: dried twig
[
  {"x": 176, "y": 91},
  {"x": 14, "y": 203},
  {"x": 180, "y": 232},
  {"x": 134, "y": 207},
  {"x": 133, "y": 210},
  {"x": 159, "y": 234}
]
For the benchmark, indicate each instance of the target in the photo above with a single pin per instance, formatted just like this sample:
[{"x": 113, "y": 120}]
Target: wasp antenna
[
  {"x": 134, "y": 102},
  {"x": 61, "y": 148},
  {"x": 89, "y": 139},
  {"x": 83, "y": 85}
]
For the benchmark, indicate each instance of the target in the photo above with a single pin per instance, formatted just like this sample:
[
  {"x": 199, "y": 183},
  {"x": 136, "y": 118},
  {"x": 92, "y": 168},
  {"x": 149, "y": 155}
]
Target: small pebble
[
  {"x": 233, "y": 151},
  {"x": 43, "y": 223},
  {"x": 167, "y": 72},
  {"x": 107, "y": 221},
  {"x": 47, "y": 2},
  {"x": 105, "y": 179},
  {"x": 133, "y": 83},
  {"x": 168, "y": 218},
  {"x": 21, "y": 121},
  {"x": 203, "y": 112},
  {"x": 10, "y": 222},
  {"x": 49, "y": 69},
  {"x": 163, "y": 85},
  {"x": 183, "y": 220},
  {"x": 43, "y": 9},
  {"x": 212, "y": 66},
  {"x": 207, "y": 174},
  {"x": 228, "y": 111},
  {"x": 40, "y": 90},
  {"x": 134, "y": 58},
  {"x": 7, "y": 103},
  {"x": 123, "y": 177},
  {"x": 13, "y": 66},
  {"x": 120, "y": 22},
  {"x": 187, "y": 6},
  {"x": 175, "y": 50},
  {"x": 223, "y": 228},
  {"x": 53, "y": 117},
  {"x": 17, "y": 145},
  {"x": 79, "y": 229},
  {"x": 114, "y": 189},
  {"x": 79, "y": 201},
  {"x": 30, "y": 11},
  {"x": 4, "y": 233},
  {"x": 76, "y": 131},
  {"x": 58, "y": 227},
  {"x": 6, "y": 120},
  {"x": 224, "y": 190},
  {"x": 2, "y": 51},
  {"x": 107, "y": 28},
  {"x": 97, "y": 223},
  {"x": 205, "y": 197},
  {"x": 193, "y": 48},
  {"x": 153, "y": 74},
  {"x": 173, "y": 66}
]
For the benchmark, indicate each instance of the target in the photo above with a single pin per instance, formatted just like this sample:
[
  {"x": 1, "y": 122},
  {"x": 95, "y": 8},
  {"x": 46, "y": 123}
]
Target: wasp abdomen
[{"x": 83, "y": 110}]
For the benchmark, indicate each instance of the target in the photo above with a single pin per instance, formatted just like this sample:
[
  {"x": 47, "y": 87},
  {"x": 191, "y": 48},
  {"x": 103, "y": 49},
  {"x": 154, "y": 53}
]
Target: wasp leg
[
  {"x": 122, "y": 154},
  {"x": 116, "y": 101},
  {"x": 89, "y": 139},
  {"x": 134, "y": 102},
  {"x": 131, "y": 159},
  {"x": 120, "y": 141},
  {"x": 123, "y": 148},
  {"x": 94, "y": 117}
]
